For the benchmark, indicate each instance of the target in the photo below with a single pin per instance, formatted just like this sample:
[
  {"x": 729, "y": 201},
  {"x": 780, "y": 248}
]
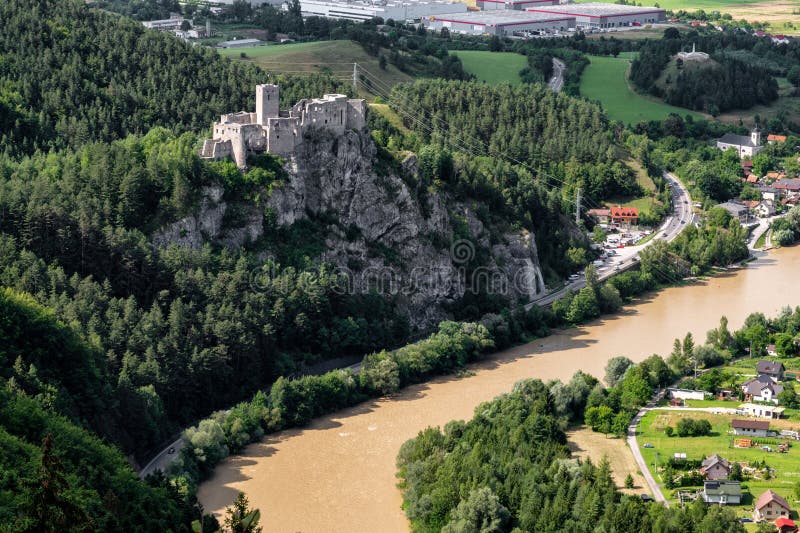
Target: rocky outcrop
[{"x": 384, "y": 239}]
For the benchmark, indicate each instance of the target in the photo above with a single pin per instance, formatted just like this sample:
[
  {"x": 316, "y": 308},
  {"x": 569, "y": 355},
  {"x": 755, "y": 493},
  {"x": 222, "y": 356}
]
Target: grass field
[
  {"x": 493, "y": 67},
  {"x": 786, "y": 465},
  {"x": 605, "y": 80},
  {"x": 336, "y": 57}
]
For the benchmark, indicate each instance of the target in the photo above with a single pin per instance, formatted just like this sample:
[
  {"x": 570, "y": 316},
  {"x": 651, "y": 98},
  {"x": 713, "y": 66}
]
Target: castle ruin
[{"x": 280, "y": 132}]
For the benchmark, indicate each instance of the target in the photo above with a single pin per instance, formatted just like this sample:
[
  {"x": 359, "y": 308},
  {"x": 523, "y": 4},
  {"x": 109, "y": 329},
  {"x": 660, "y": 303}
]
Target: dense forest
[{"x": 71, "y": 75}]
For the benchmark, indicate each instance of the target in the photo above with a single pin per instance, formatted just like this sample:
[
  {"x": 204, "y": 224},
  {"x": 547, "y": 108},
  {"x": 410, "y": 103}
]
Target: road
[
  {"x": 164, "y": 458},
  {"x": 626, "y": 258},
  {"x": 637, "y": 454},
  {"x": 557, "y": 81}
]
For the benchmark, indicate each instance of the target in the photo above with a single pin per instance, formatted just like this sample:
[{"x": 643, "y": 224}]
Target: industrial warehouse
[
  {"x": 597, "y": 15},
  {"x": 517, "y": 5},
  {"x": 363, "y": 10},
  {"x": 500, "y": 23}
]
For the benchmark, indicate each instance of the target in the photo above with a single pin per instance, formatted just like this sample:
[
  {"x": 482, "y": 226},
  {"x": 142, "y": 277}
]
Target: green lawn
[
  {"x": 651, "y": 431},
  {"x": 493, "y": 67},
  {"x": 605, "y": 80}
]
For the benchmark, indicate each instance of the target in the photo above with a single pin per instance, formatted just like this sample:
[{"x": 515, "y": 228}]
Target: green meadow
[{"x": 493, "y": 67}]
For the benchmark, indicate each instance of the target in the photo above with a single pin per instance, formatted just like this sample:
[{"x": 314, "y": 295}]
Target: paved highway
[{"x": 557, "y": 81}]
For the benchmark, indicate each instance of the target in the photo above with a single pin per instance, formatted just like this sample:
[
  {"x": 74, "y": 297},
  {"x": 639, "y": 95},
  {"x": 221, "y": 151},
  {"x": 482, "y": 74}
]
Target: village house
[
  {"x": 785, "y": 525},
  {"x": 764, "y": 209},
  {"x": 625, "y": 216},
  {"x": 773, "y": 369},
  {"x": 750, "y": 428},
  {"x": 722, "y": 492},
  {"x": 761, "y": 410},
  {"x": 770, "y": 506},
  {"x": 687, "y": 394},
  {"x": 772, "y": 138},
  {"x": 762, "y": 389},
  {"x": 769, "y": 193},
  {"x": 737, "y": 211},
  {"x": 788, "y": 185},
  {"x": 601, "y": 215},
  {"x": 715, "y": 468}
]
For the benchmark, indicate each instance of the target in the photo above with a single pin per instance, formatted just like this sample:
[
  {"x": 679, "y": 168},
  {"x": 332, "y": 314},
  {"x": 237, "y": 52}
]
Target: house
[
  {"x": 762, "y": 389},
  {"x": 770, "y": 506},
  {"x": 745, "y": 146},
  {"x": 602, "y": 215},
  {"x": 687, "y": 394},
  {"x": 785, "y": 525},
  {"x": 769, "y": 193},
  {"x": 774, "y": 175},
  {"x": 627, "y": 216},
  {"x": 772, "y": 138},
  {"x": 722, "y": 492},
  {"x": 771, "y": 350},
  {"x": 751, "y": 178},
  {"x": 715, "y": 467},
  {"x": 761, "y": 411},
  {"x": 747, "y": 166},
  {"x": 737, "y": 210},
  {"x": 750, "y": 428},
  {"x": 773, "y": 369},
  {"x": 763, "y": 210}
]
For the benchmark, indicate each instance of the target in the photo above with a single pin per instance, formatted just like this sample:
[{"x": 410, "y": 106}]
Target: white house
[
  {"x": 761, "y": 410},
  {"x": 687, "y": 394},
  {"x": 762, "y": 389},
  {"x": 744, "y": 146},
  {"x": 750, "y": 428}
]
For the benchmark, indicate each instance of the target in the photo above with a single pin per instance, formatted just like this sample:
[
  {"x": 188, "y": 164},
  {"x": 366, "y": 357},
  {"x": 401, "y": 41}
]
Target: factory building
[
  {"x": 515, "y": 5},
  {"x": 597, "y": 15},
  {"x": 363, "y": 10},
  {"x": 501, "y": 23}
]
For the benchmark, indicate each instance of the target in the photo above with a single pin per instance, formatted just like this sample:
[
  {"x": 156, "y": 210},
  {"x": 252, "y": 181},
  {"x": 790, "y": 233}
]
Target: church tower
[{"x": 755, "y": 136}]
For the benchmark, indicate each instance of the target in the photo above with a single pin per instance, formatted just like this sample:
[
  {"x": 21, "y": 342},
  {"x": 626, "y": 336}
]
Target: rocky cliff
[{"x": 392, "y": 243}]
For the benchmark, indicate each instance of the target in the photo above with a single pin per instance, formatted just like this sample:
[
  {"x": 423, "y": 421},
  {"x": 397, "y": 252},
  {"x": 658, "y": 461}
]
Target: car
[
  {"x": 573, "y": 277},
  {"x": 766, "y": 448},
  {"x": 647, "y": 445},
  {"x": 171, "y": 450},
  {"x": 683, "y": 222},
  {"x": 646, "y": 497}
]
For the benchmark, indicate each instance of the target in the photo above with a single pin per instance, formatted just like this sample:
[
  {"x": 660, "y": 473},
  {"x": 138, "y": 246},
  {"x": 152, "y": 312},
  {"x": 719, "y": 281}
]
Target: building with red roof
[
  {"x": 628, "y": 216},
  {"x": 772, "y": 138},
  {"x": 785, "y": 525}
]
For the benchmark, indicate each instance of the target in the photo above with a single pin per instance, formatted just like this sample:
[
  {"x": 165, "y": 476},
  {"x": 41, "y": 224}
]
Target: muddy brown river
[{"x": 338, "y": 474}]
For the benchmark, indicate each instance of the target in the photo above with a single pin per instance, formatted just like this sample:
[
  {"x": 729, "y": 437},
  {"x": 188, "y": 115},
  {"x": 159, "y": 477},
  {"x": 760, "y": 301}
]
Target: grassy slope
[
  {"x": 334, "y": 56},
  {"x": 493, "y": 67},
  {"x": 651, "y": 430},
  {"x": 605, "y": 80}
]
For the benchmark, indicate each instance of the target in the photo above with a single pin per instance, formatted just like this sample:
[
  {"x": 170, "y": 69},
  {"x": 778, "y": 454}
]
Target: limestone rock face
[{"x": 386, "y": 239}]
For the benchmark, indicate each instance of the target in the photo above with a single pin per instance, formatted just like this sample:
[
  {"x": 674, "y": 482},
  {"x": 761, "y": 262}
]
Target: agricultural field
[
  {"x": 786, "y": 465},
  {"x": 336, "y": 57},
  {"x": 493, "y": 67},
  {"x": 605, "y": 80}
]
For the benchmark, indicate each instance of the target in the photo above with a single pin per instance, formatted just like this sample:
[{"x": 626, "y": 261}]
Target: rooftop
[
  {"x": 728, "y": 488},
  {"x": 749, "y": 424},
  {"x": 769, "y": 367},
  {"x": 597, "y": 9},
  {"x": 767, "y": 497},
  {"x": 497, "y": 17},
  {"x": 738, "y": 140}
]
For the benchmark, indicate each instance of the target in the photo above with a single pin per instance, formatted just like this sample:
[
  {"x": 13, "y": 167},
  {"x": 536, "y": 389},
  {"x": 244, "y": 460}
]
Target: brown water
[{"x": 338, "y": 474}]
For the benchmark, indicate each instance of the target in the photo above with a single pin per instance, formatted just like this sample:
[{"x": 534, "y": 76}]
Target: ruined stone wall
[
  {"x": 283, "y": 135},
  {"x": 356, "y": 114}
]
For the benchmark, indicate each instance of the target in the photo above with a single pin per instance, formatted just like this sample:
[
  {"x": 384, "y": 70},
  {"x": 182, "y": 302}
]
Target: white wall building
[
  {"x": 502, "y": 23},
  {"x": 744, "y": 146},
  {"x": 363, "y": 10},
  {"x": 600, "y": 15}
]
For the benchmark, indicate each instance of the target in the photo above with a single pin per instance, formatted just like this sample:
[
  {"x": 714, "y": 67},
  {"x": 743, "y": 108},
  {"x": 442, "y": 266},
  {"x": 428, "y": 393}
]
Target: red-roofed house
[
  {"x": 624, "y": 215},
  {"x": 792, "y": 185},
  {"x": 774, "y": 175},
  {"x": 770, "y": 506},
  {"x": 752, "y": 178},
  {"x": 600, "y": 214},
  {"x": 771, "y": 138}
]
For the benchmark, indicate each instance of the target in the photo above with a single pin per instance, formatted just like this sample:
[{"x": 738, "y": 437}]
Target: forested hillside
[
  {"x": 70, "y": 75},
  {"x": 56, "y": 475}
]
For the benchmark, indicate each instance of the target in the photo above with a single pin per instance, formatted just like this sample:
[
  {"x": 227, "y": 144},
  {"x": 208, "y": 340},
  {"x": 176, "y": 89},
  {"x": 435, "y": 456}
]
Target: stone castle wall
[{"x": 237, "y": 134}]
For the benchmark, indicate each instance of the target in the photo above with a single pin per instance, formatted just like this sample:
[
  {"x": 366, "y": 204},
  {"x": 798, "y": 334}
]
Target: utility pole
[
  {"x": 355, "y": 79},
  {"x": 578, "y": 206}
]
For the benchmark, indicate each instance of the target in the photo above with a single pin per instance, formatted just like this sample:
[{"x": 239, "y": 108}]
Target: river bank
[{"x": 338, "y": 474}]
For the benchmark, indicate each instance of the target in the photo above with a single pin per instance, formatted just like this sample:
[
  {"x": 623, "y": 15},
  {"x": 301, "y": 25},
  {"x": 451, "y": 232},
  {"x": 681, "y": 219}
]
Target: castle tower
[
  {"x": 267, "y": 105},
  {"x": 755, "y": 136}
]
